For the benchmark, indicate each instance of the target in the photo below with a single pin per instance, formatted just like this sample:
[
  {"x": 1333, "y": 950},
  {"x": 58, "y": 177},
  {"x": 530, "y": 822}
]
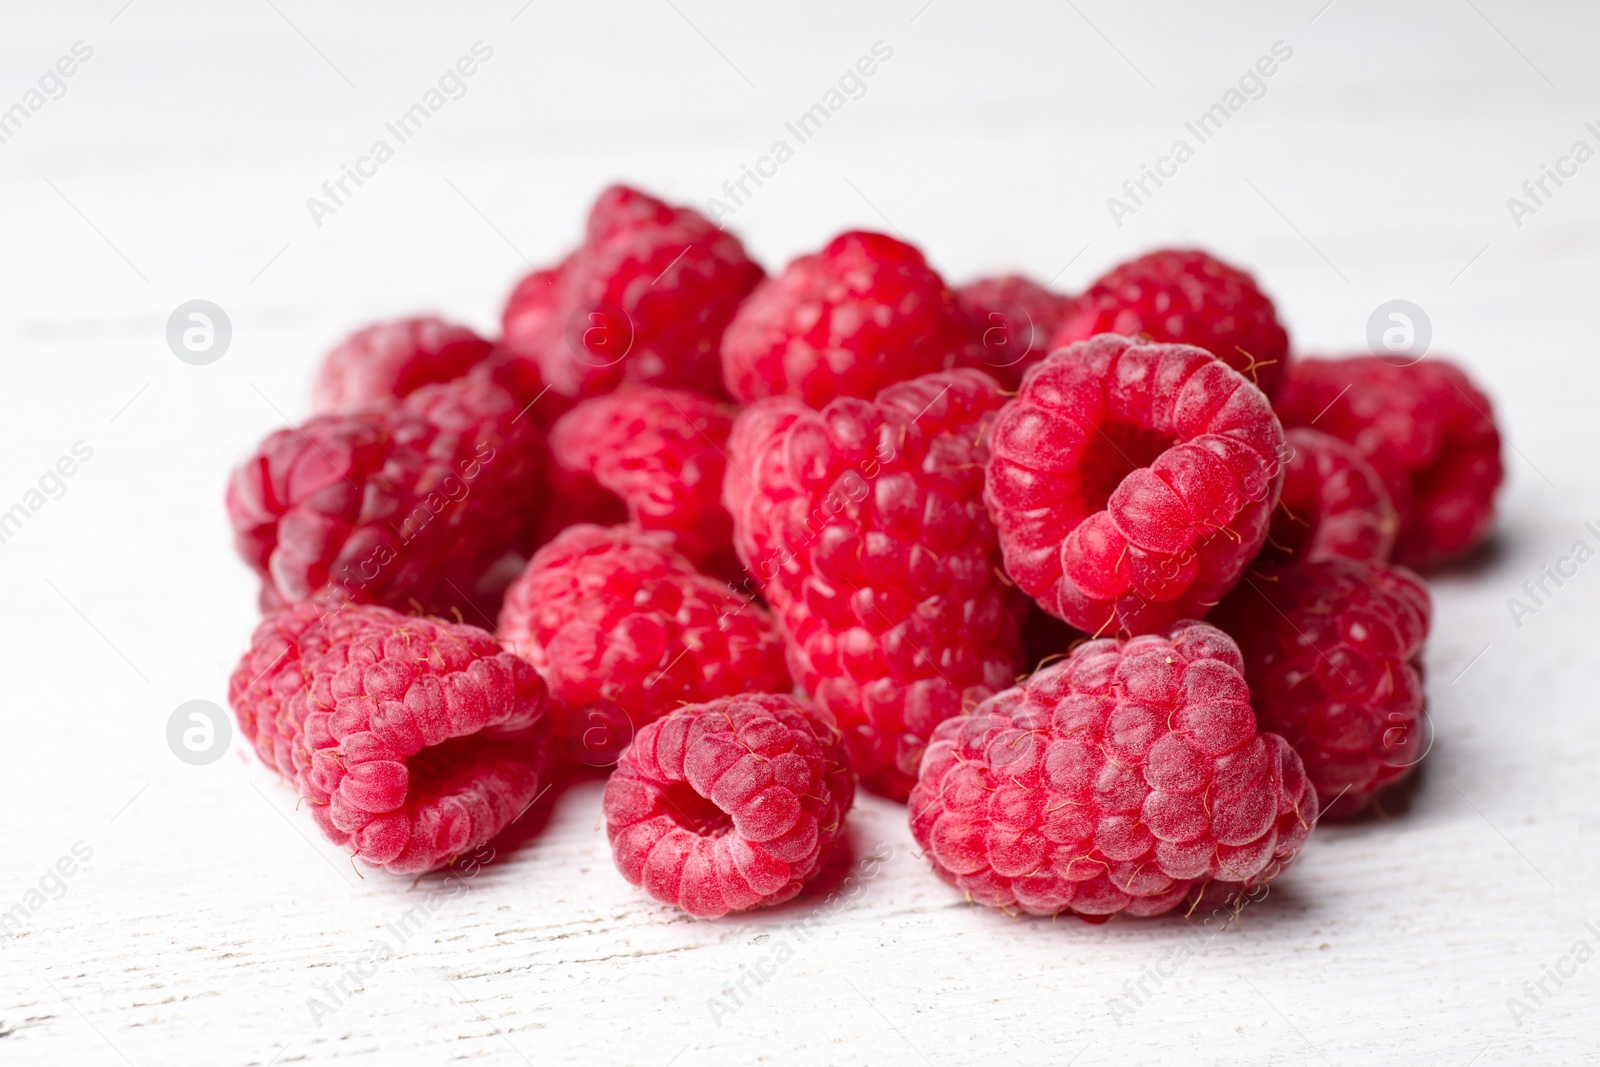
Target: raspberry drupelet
[
  {"x": 624, "y": 629},
  {"x": 866, "y": 524},
  {"x": 412, "y": 740},
  {"x": 1013, "y": 321},
  {"x": 1428, "y": 432},
  {"x": 1333, "y": 504},
  {"x": 729, "y": 805},
  {"x": 1332, "y": 650},
  {"x": 390, "y": 360},
  {"x": 861, "y": 314},
  {"x": 1129, "y": 778},
  {"x": 1132, "y": 483},
  {"x": 1184, "y": 296}
]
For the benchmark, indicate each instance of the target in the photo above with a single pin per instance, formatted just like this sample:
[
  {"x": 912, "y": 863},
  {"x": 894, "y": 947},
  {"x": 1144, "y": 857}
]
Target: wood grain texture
[{"x": 211, "y": 925}]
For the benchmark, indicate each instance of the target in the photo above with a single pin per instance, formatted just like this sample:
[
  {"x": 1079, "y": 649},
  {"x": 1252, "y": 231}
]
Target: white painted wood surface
[{"x": 177, "y": 165}]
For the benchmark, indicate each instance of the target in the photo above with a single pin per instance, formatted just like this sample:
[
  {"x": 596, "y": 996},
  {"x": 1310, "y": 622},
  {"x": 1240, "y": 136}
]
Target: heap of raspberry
[
  {"x": 645, "y": 299},
  {"x": 1331, "y": 650},
  {"x": 1425, "y": 428},
  {"x": 658, "y": 453},
  {"x": 1333, "y": 504},
  {"x": 729, "y": 805},
  {"x": 864, "y": 312},
  {"x": 411, "y": 740},
  {"x": 624, "y": 630},
  {"x": 393, "y": 359},
  {"x": 1013, "y": 320},
  {"x": 1132, "y": 483},
  {"x": 1128, "y": 778},
  {"x": 407, "y": 504},
  {"x": 1182, "y": 296},
  {"x": 866, "y": 523}
]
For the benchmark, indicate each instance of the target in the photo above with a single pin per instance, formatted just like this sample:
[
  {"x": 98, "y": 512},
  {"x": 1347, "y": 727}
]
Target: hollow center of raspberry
[
  {"x": 694, "y": 812},
  {"x": 439, "y": 769},
  {"x": 1116, "y": 450}
]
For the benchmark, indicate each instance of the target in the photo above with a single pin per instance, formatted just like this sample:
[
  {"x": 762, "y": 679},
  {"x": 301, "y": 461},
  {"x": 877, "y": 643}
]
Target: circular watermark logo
[
  {"x": 1010, "y": 336},
  {"x": 198, "y": 732},
  {"x": 1399, "y": 332},
  {"x": 198, "y": 332},
  {"x": 599, "y": 337},
  {"x": 1405, "y": 743},
  {"x": 604, "y": 734}
]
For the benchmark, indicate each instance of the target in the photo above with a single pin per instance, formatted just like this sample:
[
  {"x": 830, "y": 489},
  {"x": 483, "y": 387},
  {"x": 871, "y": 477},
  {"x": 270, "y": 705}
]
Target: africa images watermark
[
  {"x": 852, "y": 85},
  {"x": 335, "y": 993},
  {"x": 451, "y": 85},
  {"x": 1562, "y": 569},
  {"x": 1252, "y": 85},
  {"x": 1538, "y": 191},
  {"x": 51, "y": 885},
  {"x": 51, "y": 85},
  {"x": 52, "y": 485},
  {"x": 741, "y": 991},
  {"x": 1539, "y": 991}
]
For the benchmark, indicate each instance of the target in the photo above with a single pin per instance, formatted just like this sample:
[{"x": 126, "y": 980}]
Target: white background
[{"x": 177, "y": 166}]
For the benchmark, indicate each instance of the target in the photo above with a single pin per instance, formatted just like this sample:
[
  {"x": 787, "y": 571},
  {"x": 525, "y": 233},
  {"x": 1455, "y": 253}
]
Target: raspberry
[
  {"x": 624, "y": 630},
  {"x": 866, "y": 524},
  {"x": 645, "y": 299},
  {"x": 1331, "y": 650},
  {"x": 864, "y": 312},
  {"x": 1333, "y": 504},
  {"x": 1013, "y": 321},
  {"x": 392, "y": 359},
  {"x": 661, "y": 452},
  {"x": 1185, "y": 297},
  {"x": 1125, "y": 779},
  {"x": 1132, "y": 483},
  {"x": 406, "y": 504},
  {"x": 729, "y": 805},
  {"x": 1425, "y": 428},
  {"x": 412, "y": 739}
]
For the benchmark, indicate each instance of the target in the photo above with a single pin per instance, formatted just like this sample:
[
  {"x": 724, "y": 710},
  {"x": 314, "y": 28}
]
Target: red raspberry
[
  {"x": 1132, "y": 483},
  {"x": 1127, "y": 778},
  {"x": 1333, "y": 504},
  {"x": 645, "y": 299},
  {"x": 661, "y": 452},
  {"x": 406, "y": 504},
  {"x": 864, "y": 312},
  {"x": 1014, "y": 319},
  {"x": 1181, "y": 296},
  {"x": 391, "y": 359},
  {"x": 624, "y": 630},
  {"x": 866, "y": 523},
  {"x": 1331, "y": 650},
  {"x": 1425, "y": 428},
  {"x": 729, "y": 805},
  {"x": 412, "y": 739}
]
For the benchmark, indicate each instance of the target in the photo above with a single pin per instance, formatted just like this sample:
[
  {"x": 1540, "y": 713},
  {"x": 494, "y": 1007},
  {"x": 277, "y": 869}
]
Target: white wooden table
[{"x": 205, "y": 922}]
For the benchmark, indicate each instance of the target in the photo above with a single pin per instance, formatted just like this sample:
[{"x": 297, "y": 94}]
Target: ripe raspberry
[
  {"x": 1425, "y": 428},
  {"x": 645, "y": 299},
  {"x": 1333, "y": 504},
  {"x": 406, "y": 504},
  {"x": 864, "y": 312},
  {"x": 866, "y": 524},
  {"x": 1013, "y": 321},
  {"x": 392, "y": 359},
  {"x": 624, "y": 630},
  {"x": 1179, "y": 296},
  {"x": 661, "y": 452},
  {"x": 1332, "y": 652},
  {"x": 413, "y": 739},
  {"x": 1127, "y": 778},
  {"x": 729, "y": 805},
  {"x": 1132, "y": 483}
]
